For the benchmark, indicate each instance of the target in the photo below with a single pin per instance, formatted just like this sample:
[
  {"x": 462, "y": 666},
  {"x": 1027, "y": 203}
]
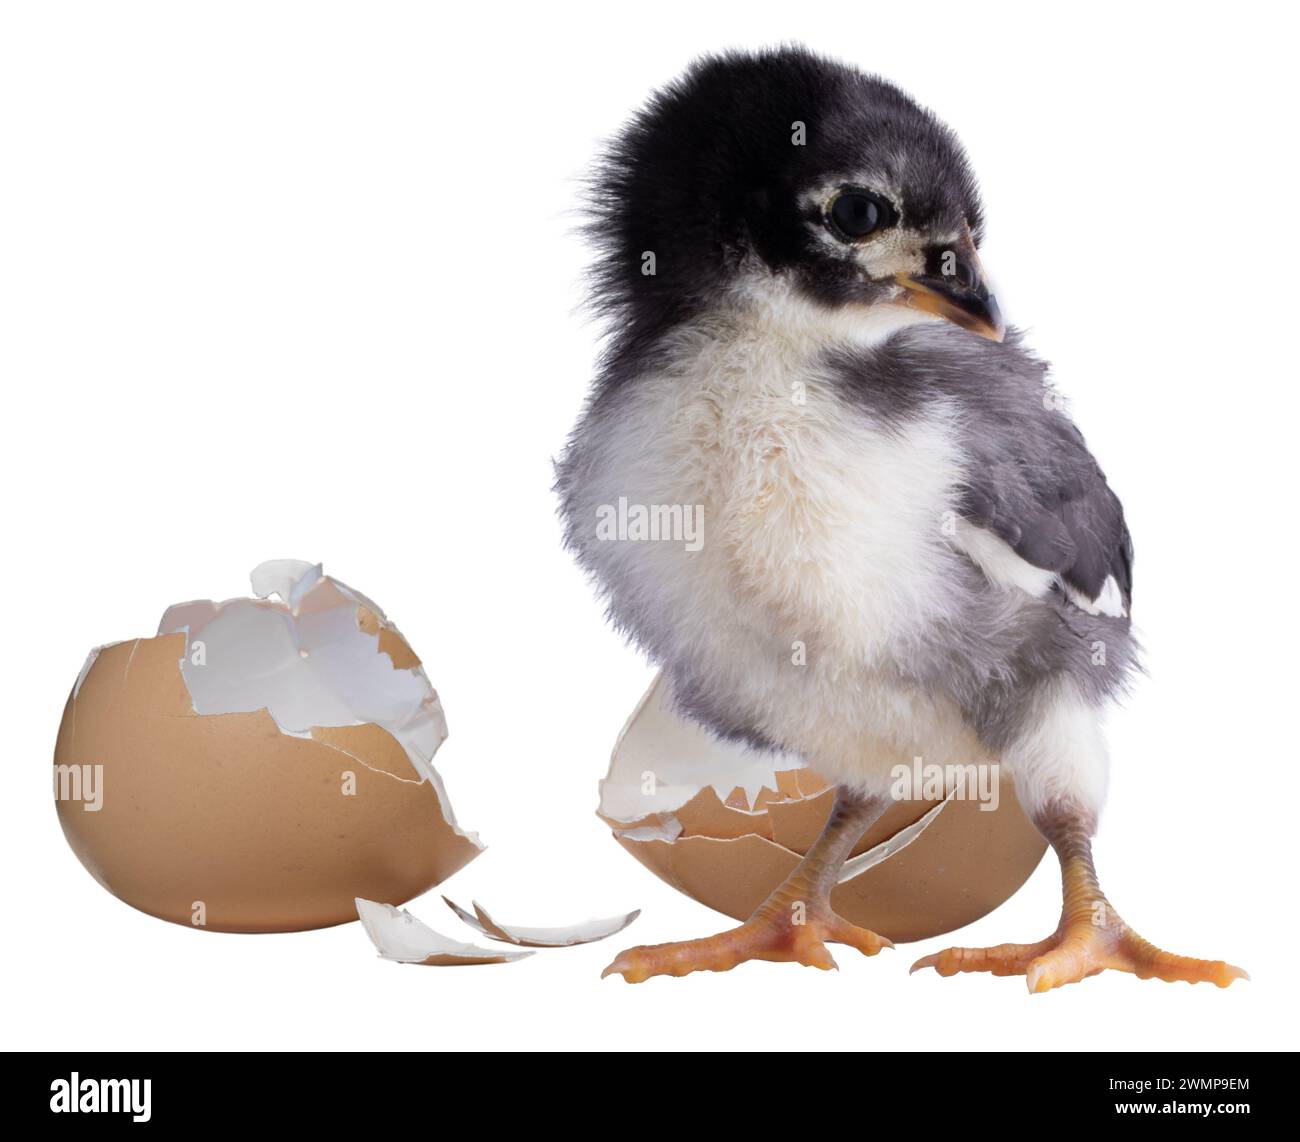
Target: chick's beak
[{"x": 953, "y": 287}]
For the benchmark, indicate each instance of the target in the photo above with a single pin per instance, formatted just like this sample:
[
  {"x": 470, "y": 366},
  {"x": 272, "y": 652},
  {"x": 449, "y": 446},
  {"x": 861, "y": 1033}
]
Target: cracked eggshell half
[
  {"x": 260, "y": 763},
  {"x": 726, "y": 824}
]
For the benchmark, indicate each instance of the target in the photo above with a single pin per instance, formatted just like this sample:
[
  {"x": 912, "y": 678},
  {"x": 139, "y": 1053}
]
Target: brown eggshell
[
  {"x": 962, "y": 865},
  {"x": 227, "y": 814},
  {"x": 734, "y": 875}
]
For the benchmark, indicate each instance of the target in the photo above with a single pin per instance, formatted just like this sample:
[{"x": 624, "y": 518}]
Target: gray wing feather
[
  {"x": 1030, "y": 478},
  {"x": 1035, "y": 484}
]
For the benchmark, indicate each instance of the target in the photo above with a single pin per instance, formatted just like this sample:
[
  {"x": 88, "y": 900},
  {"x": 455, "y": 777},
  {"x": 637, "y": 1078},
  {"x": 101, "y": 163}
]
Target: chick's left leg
[
  {"x": 790, "y": 925},
  {"x": 1090, "y": 937}
]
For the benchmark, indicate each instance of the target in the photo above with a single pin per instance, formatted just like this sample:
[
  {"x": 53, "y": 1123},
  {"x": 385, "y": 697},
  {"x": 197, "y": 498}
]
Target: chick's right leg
[{"x": 791, "y": 925}]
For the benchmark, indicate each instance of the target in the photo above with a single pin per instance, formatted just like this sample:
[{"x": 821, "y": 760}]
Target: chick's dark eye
[{"x": 856, "y": 214}]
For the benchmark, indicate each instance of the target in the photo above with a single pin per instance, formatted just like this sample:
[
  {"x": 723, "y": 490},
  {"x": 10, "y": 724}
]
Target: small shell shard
[
  {"x": 564, "y": 937},
  {"x": 284, "y": 578},
  {"x": 405, "y": 939}
]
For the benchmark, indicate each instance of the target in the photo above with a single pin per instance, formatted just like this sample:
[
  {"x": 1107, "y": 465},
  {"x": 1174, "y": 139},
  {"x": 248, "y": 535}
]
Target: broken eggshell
[
  {"x": 406, "y": 939},
  {"x": 260, "y": 763},
  {"x": 588, "y": 932},
  {"x": 726, "y": 824}
]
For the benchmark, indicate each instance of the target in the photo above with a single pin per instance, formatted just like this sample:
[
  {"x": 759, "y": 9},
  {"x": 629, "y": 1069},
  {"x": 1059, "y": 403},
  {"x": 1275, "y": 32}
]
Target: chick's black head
[{"x": 785, "y": 164}]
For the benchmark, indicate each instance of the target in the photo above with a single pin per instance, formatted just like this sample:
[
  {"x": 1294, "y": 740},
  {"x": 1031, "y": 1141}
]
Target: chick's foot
[
  {"x": 1078, "y": 949},
  {"x": 787, "y": 934}
]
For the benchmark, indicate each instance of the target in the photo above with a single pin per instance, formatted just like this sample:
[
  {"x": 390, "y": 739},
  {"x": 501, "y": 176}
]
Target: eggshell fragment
[
  {"x": 726, "y": 825},
  {"x": 402, "y": 937},
  {"x": 262, "y": 763},
  {"x": 587, "y": 932}
]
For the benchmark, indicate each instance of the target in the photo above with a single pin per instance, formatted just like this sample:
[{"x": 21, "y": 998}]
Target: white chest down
[
  {"x": 823, "y": 541},
  {"x": 816, "y": 523}
]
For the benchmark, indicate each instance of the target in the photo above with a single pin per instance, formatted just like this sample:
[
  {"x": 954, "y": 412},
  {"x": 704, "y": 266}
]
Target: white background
[{"x": 301, "y": 280}]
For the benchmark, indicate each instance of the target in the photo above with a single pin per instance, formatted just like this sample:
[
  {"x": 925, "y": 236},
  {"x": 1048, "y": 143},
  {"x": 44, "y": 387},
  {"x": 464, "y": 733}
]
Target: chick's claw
[{"x": 769, "y": 936}]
